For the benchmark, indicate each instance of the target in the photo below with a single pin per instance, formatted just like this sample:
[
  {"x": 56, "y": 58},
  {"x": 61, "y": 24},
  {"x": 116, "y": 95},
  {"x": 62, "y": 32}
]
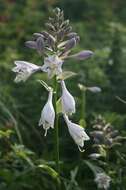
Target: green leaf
[
  {"x": 59, "y": 106},
  {"x": 50, "y": 171},
  {"x": 65, "y": 75}
]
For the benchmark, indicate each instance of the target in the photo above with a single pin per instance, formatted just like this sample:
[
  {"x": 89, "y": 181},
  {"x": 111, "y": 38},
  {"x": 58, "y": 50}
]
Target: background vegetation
[{"x": 26, "y": 157}]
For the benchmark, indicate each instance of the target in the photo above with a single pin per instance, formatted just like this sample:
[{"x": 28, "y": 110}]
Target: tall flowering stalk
[{"x": 55, "y": 45}]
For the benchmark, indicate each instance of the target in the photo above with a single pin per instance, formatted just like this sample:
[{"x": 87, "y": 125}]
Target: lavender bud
[
  {"x": 108, "y": 142},
  {"x": 68, "y": 29},
  {"x": 45, "y": 34},
  {"x": 77, "y": 39},
  {"x": 82, "y": 55},
  {"x": 94, "y": 89},
  {"x": 114, "y": 134},
  {"x": 36, "y": 35},
  {"x": 50, "y": 26},
  {"x": 71, "y": 35},
  {"x": 57, "y": 11},
  {"x": 60, "y": 35},
  {"x": 65, "y": 24},
  {"x": 51, "y": 40},
  {"x": 31, "y": 44},
  {"x": 70, "y": 44},
  {"x": 97, "y": 134},
  {"x": 40, "y": 44}
]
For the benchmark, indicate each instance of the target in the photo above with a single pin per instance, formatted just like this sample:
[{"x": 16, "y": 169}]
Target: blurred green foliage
[{"x": 101, "y": 26}]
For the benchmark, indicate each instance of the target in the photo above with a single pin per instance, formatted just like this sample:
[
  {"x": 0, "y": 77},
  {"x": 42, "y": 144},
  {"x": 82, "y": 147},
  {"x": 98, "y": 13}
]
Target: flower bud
[
  {"x": 94, "y": 89},
  {"x": 70, "y": 44},
  {"x": 77, "y": 132},
  {"x": 31, "y": 44},
  {"x": 36, "y": 35},
  {"x": 40, "y": 44},
  {"x": 67, "y": 100},
  {"x": 72, "y": 35},
  {"x": 94, "y": 156},
  {"x": 48, "y": 114},
  {"x": 82, "y": 55}
]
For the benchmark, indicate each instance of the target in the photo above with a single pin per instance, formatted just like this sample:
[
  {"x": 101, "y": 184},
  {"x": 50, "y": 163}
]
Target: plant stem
[
  {"x": 56, "y": 132},
  {"x": 83, "y": 108}
]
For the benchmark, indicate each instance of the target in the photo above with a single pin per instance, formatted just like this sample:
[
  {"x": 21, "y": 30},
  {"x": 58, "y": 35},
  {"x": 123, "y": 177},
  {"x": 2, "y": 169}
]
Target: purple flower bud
[
  {"x": 31, "y": 44},
  {"x": 77, "y": 39},
  {"x": 45, "y": 34},
  {"x": 71, "y": 35},
  {"x": 114, "y": 134},
  {"x": 70, "y": 44},
  {"x": 40, "y": 44},
  {"x": 50, "y": 26},
  {"x": 82, "y": 55},
  {"x": 51, "y": 40},
  {"x": 36, "y": 35},
  {"x": 97, "y": 134}
]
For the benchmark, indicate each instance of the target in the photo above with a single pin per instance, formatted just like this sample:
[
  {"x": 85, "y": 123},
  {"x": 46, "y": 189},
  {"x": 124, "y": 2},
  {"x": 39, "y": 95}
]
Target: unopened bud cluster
[{"x": 55, "y": 46}]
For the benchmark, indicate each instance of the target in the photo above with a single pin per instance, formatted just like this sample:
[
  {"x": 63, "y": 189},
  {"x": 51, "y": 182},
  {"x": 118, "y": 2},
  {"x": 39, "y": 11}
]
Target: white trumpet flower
[
  {"x": 67, "y": 101},
  {"x": 77, "y": 133},
  {"x": 24, "y": 70},
  {"x": 48, "y": 114},
  {"x": 52, "y": 65}
]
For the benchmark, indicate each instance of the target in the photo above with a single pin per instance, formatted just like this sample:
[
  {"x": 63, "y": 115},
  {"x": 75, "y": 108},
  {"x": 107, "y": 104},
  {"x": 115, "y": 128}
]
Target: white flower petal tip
[
  {"x": 48, "y": 114},
  {"x": 67, "y": 101},
  {"x": 77, "y": 133},
  {"x": 52, "y": 65},
  {"x": 24, "y": 70}
]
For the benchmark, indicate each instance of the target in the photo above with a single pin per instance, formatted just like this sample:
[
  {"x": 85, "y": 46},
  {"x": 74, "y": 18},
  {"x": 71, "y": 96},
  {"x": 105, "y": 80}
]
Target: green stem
[
  {"x": 83, "y": 108},
  {"x": 56, "y": 131}
]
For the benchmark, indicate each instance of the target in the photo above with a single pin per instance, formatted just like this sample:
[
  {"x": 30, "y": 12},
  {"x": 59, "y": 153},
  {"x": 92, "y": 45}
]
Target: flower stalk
[{"x": 56, "y": 129}]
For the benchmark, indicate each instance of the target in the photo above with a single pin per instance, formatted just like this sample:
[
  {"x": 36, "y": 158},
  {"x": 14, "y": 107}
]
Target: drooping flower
[
  {"x": 102, "y": 180},
  {"x": 67, "y": 100},
  {"x": 48, "y": 114},
  {"x": 77, "y": 133},
  {"x": 52, "y": 65},
  {"x": 24, "y": 70}
]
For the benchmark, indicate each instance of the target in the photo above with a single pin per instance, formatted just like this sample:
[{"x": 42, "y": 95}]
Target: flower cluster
[
  {"x": 102, "y": 180},
  {"x": 105, "y": 137},
  {"x": 55, "y": 45}
]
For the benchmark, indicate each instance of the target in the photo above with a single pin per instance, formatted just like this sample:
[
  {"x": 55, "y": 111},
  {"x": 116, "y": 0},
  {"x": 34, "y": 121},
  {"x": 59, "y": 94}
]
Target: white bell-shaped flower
[
  {"x": 24, "y": 70},
  {"x": 77, "y": 133},
  {"x": 52, "y": 65},
  {"x": 67, "y": 100},
  {"x": 48, "y": 114}
]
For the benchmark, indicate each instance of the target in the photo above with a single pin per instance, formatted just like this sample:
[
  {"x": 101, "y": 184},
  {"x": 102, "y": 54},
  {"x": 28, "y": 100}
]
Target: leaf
[
  {"x": 95, "y": 169},
  {"x": 59, "y": 106},
  {"x": 65, "y": 75},
  {"x": 50, "y": 171}
]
